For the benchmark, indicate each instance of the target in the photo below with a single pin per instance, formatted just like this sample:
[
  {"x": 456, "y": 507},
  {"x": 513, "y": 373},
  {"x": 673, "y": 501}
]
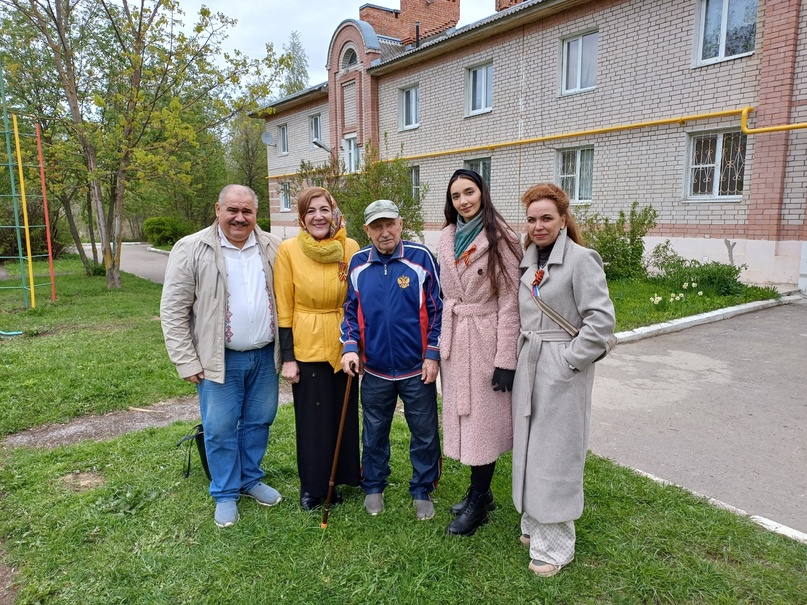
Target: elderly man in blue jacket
[{"x": 392, "y": 317}]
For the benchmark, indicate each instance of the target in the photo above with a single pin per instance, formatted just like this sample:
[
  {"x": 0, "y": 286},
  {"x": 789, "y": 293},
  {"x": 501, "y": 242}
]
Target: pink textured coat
[{"x": 479, "y": 333}]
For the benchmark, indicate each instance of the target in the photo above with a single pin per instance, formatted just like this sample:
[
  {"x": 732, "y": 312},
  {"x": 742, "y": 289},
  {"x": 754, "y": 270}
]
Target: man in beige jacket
[{"x": 219, "y": 320}]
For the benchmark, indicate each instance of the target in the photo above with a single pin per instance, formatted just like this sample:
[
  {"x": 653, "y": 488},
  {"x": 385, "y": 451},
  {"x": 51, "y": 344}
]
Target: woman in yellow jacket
[{"x": 310, "y": 287}]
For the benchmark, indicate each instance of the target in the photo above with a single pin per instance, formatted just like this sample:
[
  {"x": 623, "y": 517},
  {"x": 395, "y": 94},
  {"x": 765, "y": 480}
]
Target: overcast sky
[{"x": 316, "y": 20}]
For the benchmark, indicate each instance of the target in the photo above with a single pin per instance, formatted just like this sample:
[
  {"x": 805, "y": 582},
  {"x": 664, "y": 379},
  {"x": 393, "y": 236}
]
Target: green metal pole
[{"x": 17, "y": 227}]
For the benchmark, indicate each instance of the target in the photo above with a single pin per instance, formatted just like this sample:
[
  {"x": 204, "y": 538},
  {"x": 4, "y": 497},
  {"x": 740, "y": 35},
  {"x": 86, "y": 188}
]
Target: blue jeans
[
  {"x": 236, "y": 417},
  {"x": 378, "y": 400}
]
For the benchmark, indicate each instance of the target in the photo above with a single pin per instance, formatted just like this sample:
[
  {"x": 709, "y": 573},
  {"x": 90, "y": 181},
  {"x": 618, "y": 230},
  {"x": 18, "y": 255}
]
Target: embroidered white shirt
[{"x": 249, "y": 322}]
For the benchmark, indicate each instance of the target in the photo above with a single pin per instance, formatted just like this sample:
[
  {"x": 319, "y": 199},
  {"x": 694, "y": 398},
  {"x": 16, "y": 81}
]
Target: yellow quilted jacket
[{"x": 309, "y": 297}]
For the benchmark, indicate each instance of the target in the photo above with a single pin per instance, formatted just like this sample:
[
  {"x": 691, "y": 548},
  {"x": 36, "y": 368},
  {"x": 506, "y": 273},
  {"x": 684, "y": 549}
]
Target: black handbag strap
[{"x": 190, "y": 438}]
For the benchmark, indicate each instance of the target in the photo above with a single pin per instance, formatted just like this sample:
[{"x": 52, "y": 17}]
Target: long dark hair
[{"x": 496, "y": 228}]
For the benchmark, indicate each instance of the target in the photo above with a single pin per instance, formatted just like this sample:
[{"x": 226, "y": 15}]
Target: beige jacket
[{"x": 194, "y": 298}]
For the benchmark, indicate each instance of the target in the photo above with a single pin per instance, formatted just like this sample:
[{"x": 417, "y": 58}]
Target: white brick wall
[
  {"x": 300, "y": 146},
  {"x": 645, "y": 72}
]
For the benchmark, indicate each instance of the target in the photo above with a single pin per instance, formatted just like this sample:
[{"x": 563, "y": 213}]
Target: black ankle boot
[
  {"x": 309, "y": 502},
  {"x": 473, "y": 516},
  {"x": 457, "y": 508}
]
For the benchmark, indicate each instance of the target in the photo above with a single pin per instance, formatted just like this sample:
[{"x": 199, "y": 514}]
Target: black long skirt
[{"x": 318, "y": 399}]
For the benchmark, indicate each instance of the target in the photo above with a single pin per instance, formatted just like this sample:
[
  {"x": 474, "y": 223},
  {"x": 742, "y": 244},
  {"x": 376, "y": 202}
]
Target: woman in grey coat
[{"x": 554, "y": 376}]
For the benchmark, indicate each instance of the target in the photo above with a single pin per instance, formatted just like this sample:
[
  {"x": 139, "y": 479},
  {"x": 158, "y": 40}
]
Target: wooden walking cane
[{"x": 336, "y": 453}]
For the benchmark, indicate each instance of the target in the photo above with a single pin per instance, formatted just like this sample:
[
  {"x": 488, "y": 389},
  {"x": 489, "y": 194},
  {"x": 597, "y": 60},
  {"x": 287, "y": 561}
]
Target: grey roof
[
  {"x": 391, "y": 48},
  {"x": 317, "y": 90}
]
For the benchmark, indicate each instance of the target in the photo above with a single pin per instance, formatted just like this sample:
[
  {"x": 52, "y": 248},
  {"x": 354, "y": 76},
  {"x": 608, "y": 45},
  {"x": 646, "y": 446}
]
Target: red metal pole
[{"x": 47, "y": 217}]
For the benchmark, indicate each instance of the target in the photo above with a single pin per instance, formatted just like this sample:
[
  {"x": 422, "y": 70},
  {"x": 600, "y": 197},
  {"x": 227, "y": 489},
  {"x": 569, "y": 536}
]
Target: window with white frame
[
  {"x": 315, "y": 128},
  {"x": 409, "y": 108},
  {"x": 481, "y": 166},
  {"x": 351, "y": 148},
  {"x": 580, "y": 62},
  {"x": 414, "y": 177},
  {"x": 576, "y": 173},
  {"x": 716, "y": 164},
  {"x": 283, "y": 139},
  {"x": 285, "y": 197},
  {"x": 479, "y": 89},
  {"x": 728, "y": 28}
]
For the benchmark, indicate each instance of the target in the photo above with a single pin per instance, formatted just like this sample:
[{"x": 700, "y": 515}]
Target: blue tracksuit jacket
[{"x": 393, "y": 311}]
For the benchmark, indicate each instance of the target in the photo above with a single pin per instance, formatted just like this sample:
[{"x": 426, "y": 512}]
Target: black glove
[{"x": 503, "y": 379}]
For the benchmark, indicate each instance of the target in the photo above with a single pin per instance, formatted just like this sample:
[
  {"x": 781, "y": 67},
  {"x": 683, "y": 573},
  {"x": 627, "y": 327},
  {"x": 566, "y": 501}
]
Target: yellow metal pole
[
  {"x": 24, "y": 212},
  {"x": 579, "y": 133},
  {"x": 743, "y": 113},
  {"x": 747, "y": 130}
]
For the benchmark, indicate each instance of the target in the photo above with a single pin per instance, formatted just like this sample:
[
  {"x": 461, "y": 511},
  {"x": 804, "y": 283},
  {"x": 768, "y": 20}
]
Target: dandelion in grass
[
  {"x": 684, "y": 286},
  {"x": 694, "y": 284},
  {"x": 700, "y": 293},
  {"x": 655, "y": 299}
]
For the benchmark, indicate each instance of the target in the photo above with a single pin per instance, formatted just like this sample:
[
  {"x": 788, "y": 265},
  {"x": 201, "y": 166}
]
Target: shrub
[
  {"x": 164, "y": 230},
  {"x": 620, "y": 242},
  {"x": 265, "y": 224},
  {"x": 36, "y": 232},
  {"x": 378, "y": 179},
  {"x": 673, "y": 270}
]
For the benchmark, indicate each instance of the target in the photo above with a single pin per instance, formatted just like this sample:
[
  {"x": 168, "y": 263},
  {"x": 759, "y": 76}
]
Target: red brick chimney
[
  {"x": 385, "y": 21},
  {"x": 503, "y": 4},
  {"x": 434, "y": 16}
]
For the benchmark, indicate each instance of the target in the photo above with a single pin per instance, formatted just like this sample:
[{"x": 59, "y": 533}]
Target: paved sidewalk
[{"x": 720, "y": 409}]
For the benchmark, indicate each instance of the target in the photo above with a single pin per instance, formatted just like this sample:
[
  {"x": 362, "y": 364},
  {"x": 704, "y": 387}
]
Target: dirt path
[
  {"x": 109, "y": 426},
  {"x": 102, "y": 428}
]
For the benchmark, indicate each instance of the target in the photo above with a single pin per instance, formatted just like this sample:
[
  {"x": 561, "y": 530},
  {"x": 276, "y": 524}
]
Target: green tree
[
  {"x": 247, "y": 157},
  {"x": 136, "y": 92},
  {"x": 378, "y": 179},
  {"x": 296, "y": 78}
]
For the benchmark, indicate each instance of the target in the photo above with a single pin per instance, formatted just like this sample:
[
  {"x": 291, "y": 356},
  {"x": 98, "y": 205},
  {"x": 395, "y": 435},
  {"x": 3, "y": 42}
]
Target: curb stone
[
  {"x": 676, "y": 325},
  {"x": 773, "y": 526}
]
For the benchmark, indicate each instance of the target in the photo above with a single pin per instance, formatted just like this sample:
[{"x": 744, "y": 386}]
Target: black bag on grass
[{"x": 196, "y": 434}]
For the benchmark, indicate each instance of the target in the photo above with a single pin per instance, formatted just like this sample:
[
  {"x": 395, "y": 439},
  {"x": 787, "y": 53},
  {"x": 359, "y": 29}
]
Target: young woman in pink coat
[{"x": 479, "y": 257}]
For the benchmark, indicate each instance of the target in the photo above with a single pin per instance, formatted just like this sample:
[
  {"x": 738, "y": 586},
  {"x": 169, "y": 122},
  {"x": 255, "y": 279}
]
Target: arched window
[{"x": 349, "y": 58}]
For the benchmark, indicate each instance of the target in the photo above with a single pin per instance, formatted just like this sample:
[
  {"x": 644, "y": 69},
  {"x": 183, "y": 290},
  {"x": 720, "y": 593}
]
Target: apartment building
[{"x": 698, "y": 107}]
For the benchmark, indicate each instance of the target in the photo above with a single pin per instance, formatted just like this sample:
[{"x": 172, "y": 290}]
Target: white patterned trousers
[{"x": 549, "y": 542}]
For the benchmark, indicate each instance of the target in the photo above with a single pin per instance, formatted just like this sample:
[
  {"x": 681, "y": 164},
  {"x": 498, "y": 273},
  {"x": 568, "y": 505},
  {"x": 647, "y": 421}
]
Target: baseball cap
[{"x": 380, "y": 209}]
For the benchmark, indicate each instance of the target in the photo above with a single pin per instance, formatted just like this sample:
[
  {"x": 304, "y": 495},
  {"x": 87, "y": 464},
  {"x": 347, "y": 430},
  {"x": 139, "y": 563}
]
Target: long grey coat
[
  {"x": 479, "y": 333},
  {"x": 552, "y": 402}
]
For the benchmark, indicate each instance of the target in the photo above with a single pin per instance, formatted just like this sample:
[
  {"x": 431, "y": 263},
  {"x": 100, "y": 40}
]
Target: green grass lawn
[
  {"x": 115, "y": 522},
  {"x": 92, "y": 351},
  {"x": 635, "y": 308},
  {"x": 143, "y": 534}
]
